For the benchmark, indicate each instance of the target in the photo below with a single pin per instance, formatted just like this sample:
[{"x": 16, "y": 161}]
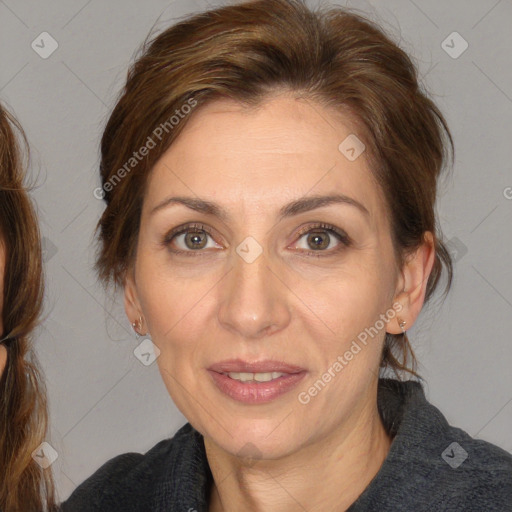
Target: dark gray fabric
[{"x": 423, "y": 471}]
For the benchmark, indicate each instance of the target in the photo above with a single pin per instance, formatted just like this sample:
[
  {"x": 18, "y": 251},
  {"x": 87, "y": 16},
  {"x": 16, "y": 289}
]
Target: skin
[
  {"x": 3, "y": 350},
  {"x": 286, "y": 305}
]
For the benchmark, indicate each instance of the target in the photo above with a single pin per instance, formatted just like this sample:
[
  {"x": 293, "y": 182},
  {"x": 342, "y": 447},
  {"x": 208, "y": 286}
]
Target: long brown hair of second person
[{"x": 24, "y": 485}]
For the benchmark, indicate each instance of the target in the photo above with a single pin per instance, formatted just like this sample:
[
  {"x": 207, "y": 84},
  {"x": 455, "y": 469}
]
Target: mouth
[
  {"x": 257, "y": 382},
  {"x": 254, "y": 377},
  {"x": 266, "y": 366}
]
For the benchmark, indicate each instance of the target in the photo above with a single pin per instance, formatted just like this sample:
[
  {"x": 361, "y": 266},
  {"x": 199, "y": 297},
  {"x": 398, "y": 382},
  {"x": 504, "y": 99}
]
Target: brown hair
[
  {"x": 245, "y": 52},
  {"x": 23, "y": 407}
]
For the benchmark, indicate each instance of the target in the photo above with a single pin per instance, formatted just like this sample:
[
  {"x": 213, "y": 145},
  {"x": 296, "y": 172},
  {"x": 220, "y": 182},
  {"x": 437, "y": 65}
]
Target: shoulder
[
  {"x": 434, "y": 464},
  {"x": 125, "y": 482},
  {"x": 475, "y": 473}
]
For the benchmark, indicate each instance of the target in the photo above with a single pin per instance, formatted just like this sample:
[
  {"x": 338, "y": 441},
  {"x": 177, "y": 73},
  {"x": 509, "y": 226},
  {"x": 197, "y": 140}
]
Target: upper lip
[{"x": 266, "y": 366}]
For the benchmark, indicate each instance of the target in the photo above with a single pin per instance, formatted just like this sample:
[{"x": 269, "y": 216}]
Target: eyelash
[{"x": 342, "y": 237}]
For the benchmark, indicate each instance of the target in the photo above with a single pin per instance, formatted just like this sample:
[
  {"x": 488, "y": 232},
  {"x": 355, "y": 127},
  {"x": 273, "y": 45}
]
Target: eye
[
  {"x": 189, "y": 239},
  {"x": 321, "y": 238}
]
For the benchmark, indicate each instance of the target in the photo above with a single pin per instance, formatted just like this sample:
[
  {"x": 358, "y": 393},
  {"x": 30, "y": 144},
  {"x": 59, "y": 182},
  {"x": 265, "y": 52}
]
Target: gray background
[{"x": 103, "y": 400}]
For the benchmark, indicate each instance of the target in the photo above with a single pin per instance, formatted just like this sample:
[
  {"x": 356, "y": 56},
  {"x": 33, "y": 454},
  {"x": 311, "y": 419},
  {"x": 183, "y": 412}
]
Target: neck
[{"x": 341, "y": 465}]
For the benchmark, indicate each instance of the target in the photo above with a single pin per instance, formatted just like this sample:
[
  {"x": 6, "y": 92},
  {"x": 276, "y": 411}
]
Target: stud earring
[
  {"x": 401, "y": 323},
  {"x": 137, "y": 326}
]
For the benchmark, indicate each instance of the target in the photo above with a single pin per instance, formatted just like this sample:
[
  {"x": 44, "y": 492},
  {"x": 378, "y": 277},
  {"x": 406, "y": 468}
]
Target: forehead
[{"x": 258, "y": 159}]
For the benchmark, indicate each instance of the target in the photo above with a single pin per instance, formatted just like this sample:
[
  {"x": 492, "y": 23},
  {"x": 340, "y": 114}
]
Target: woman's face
[{"x": 263, "y": 282}]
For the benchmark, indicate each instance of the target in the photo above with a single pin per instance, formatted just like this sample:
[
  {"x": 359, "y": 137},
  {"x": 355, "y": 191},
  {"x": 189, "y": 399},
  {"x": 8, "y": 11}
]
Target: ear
[
  {"x": 131, "y": 299},
  {"x": 414, "y": 279}
]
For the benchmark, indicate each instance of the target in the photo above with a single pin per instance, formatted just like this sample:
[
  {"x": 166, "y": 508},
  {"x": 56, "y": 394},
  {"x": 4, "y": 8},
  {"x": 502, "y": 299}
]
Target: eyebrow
[{"x": 296, "y": 207}]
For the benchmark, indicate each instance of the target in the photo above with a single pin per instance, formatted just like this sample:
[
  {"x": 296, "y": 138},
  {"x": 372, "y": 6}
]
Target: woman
[
  {"x": 270, "y": 180},
  {"x": 24, "y": 485}
]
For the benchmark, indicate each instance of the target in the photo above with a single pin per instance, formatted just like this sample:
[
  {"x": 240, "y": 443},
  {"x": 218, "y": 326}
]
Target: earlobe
[
  {"x": 415, "y": 272},
  {"x": 131, "y": 301}
]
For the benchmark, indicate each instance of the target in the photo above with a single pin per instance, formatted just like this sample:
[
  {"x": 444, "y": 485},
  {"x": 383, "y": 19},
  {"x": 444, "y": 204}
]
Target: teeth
[{"x": 258, "y": 377}]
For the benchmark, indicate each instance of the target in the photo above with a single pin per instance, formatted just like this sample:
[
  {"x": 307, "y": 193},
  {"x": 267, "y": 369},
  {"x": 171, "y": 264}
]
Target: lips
[
  {"x": 266, "y": 366},
  {"x": 255, "y": 382}
]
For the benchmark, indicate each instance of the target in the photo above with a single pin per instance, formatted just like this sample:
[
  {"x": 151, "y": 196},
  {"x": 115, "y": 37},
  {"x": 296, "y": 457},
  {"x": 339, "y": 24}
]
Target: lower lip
[{"x": 256, "y": 392}]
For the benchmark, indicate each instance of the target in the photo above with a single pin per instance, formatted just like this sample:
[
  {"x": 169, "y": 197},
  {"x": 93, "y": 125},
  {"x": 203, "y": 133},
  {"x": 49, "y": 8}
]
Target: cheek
[
  {"x": 351, "y": 305},
  {"x": 172, "y": 304},
  {"x": 352, "y": 295}
]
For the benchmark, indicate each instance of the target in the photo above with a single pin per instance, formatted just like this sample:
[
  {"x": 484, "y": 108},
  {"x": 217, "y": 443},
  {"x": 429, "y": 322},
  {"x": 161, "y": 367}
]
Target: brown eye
[
  {"x": 318, "y": 239},
  {"x": 190, "y": 240},
  {"x": 322, "y": 239},
  {"x": 195, "y": 239}
]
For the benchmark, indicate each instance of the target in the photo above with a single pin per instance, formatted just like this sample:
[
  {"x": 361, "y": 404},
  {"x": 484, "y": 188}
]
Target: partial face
[
  {"x": 2, "y": 272},
  {"x": 3, "y": 351},
  {"x": 264, "y": 282}
]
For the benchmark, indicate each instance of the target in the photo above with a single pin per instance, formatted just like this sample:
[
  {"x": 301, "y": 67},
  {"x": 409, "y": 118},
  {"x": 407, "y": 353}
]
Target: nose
[{"x": 254, "y": 300}]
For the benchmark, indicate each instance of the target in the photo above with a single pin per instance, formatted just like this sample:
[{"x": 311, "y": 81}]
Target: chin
[{"x": 250, "y": 439}]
